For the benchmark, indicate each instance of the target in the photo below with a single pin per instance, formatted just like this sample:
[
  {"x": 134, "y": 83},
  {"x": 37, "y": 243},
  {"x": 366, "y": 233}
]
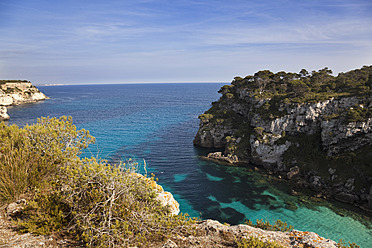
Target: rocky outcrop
[
  {"x": 3, "y": 113},
  {"x": 296, "y": 139},
  {"x": 14, "y": 92},
  {"x": 211, "y": 233},
  {"x": 220, "y": 157},
  {"x": 207, "y": 234}
]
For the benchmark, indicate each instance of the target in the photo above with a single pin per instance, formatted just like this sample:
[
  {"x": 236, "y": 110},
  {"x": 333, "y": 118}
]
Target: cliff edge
[
  {"x": 312, "y": 128},
  {"x": 15, "y": 92}
]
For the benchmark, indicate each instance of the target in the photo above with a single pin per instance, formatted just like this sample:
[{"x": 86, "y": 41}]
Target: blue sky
[{"x": 121, "y": 41}]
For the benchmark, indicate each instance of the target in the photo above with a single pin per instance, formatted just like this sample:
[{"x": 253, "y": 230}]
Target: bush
[
  {"x": 47, "y": 213},
  {"x": 265, "y": 225},
  {"x": 101, "y": 204},
  {"x": 30, "y": 157},
  {"x": 111, "y": 205},
  {"x": 205, "y": 117},
  {"x": 254, "y": 242},
  {"x": 259, "y": 131},
  {"x": 342, "y": 244}
]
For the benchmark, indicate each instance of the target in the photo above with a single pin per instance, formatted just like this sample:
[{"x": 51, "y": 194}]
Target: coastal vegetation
[
  {"x": 304, "y": 86},
  {"x": 278, "y": 225},
  {"x": 101, "y": 205},
  {"x": 13, "y": 81},
  {"x": 257, "y": 243}
]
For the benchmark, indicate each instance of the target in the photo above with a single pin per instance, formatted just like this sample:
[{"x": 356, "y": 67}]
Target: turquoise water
[{"x": 157, "y": 122}]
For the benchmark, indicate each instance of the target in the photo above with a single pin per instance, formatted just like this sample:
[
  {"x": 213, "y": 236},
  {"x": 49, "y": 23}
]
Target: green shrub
[
  {"x": 113, "y": 206},
  {"x": 205, "y": 117},
  {"x": 259, "y": 131},
  {"x": 265, "y": 225},
  {"x": 103, "y": 205},
  {"x": 342, "y": 244},
  {"x": 47, "y": 213},
  {"x": 30, "y": 157},
  {"x": 254, "y": 242}
]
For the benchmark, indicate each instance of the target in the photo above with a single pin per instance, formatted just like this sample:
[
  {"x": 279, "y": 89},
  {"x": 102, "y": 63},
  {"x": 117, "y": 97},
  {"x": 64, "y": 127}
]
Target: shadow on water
[
  {"x": 227, "y": 193},
  {"x": 215, "y": 191}
]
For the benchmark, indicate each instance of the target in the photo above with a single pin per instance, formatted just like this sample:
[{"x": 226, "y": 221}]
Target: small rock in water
[{"x": 294, "y": 193}]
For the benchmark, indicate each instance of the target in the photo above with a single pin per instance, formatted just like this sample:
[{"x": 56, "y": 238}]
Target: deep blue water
[{"x": 157, "y": 122}]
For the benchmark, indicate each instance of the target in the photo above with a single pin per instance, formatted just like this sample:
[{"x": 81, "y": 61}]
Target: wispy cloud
[{"x": 190, "y": 40}]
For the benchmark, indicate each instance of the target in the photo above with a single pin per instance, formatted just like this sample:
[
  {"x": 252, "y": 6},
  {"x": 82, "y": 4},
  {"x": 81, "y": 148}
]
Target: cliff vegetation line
[{"x": 310, "y": 127}]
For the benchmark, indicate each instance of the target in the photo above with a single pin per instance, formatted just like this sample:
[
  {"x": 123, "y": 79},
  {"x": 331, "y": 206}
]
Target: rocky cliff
[
  {"x": 314, "y": 129},
  {"x": 14, "y": 92}
]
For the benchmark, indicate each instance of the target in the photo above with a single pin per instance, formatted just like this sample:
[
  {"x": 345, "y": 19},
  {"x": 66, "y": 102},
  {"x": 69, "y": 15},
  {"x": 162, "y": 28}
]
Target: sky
[{"x": 164, "y": 41}]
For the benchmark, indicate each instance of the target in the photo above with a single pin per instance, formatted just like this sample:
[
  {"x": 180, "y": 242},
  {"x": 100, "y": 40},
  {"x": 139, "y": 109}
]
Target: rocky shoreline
[
  {"x": 305, "y": 182},
  {"x": 322, "y": 145},
  {"x": 207, "y": 233},
  {"x": 16, "y": 92}
]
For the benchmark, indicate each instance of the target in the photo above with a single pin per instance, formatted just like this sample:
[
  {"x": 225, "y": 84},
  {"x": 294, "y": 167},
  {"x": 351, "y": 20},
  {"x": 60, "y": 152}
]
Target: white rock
[{"x": 3, "y": 113}]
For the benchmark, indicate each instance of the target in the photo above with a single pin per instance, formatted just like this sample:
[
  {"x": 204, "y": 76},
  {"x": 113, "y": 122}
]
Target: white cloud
[{"x": 184, "y": 40}]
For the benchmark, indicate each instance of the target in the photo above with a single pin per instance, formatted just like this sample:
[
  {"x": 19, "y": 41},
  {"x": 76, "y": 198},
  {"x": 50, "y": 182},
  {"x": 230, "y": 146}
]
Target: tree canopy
[{"x": 305, "y": 86}]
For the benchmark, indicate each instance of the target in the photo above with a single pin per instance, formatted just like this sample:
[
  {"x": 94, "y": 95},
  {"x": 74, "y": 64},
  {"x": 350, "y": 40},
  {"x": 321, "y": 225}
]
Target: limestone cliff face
[
  {"x": 15, "y": 93},
  {"x": 3, "y": 113},
  {"x": 328, "y": 140},
  {"x": 337, "y": 135}
]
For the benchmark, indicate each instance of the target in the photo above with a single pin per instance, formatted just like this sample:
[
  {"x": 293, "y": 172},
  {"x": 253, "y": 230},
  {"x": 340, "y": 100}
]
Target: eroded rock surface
[
  {"x": 17, "y": 92},
  {"x": 312, "y": 136}
]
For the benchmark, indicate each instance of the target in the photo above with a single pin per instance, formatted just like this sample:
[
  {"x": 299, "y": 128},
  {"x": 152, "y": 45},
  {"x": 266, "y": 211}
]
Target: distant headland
[{"x": 15, "y": 92}]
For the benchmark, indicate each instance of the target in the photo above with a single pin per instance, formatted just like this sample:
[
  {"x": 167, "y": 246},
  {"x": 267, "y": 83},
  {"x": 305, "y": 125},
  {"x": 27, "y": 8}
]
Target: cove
[{"x": 157, "y": 123}]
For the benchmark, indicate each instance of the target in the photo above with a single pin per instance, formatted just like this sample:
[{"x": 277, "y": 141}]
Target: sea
[{"x": 155, "y": 124}]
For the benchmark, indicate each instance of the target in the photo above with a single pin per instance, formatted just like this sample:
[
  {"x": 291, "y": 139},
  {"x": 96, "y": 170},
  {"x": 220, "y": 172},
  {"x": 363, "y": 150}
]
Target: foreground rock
[
  {"x": 14, "y": 92},
  {"x": 208, "y": 234},
  {"x": 211, "y": 233}
]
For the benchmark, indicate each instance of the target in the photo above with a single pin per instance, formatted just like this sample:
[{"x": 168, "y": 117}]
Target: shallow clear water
[{"x": 157, "y": 122}]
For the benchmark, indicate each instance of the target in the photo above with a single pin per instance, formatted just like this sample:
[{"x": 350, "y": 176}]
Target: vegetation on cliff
[
  {"x": 304, "y": 86},
  {"x": 16, "y": 86},
  {"x": 15, "y": 92},
  {"x": 315, "y": 121}
]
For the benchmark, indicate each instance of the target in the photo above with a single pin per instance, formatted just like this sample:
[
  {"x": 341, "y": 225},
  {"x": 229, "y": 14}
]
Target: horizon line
[{"x": 111, "y": 83}]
